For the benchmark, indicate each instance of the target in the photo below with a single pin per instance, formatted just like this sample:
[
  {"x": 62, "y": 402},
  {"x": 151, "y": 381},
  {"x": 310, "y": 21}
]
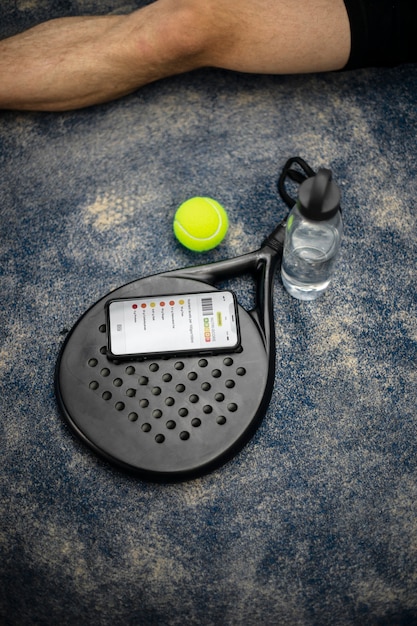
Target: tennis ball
[{"x": 200, "y": 224}]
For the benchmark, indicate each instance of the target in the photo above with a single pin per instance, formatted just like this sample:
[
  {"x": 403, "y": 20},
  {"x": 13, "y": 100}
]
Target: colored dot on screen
[
  {"x": 162, "y": 303},
  {"x": 143, "y": 305},
  {"x": 134, "y": 306},
  {"x": 181, "y": 301},
  {"x": 172, "y": 302},
  {"x": 153, "y": 304}
]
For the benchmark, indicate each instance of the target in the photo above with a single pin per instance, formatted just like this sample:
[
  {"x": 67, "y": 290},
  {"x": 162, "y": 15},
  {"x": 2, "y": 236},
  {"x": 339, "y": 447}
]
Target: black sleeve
[{"x": 383, "y": 32}]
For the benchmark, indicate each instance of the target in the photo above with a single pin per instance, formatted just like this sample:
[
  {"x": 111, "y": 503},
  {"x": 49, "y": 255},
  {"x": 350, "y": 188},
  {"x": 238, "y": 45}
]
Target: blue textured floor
[{"x": 315, "y": 521}]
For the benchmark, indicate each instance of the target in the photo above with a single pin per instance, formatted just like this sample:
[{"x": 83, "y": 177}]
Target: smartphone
[{"x": 173, "y": 324}]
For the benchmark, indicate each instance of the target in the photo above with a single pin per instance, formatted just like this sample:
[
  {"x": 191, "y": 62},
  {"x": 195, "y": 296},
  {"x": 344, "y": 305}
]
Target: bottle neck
[{"x": 302, "y": 214}]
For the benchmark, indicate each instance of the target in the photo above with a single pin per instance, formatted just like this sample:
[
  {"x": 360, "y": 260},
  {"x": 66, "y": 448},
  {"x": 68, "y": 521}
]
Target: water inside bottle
[{"x": 309, "y": 259}]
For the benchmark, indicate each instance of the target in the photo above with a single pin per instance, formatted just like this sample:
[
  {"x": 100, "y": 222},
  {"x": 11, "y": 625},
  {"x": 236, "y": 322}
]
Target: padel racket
[{"x": 173, "y": 418}]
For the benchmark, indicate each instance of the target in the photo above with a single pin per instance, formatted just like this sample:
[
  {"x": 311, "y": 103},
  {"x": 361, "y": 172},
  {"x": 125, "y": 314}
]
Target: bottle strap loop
[{"x": 294, "y": 175}]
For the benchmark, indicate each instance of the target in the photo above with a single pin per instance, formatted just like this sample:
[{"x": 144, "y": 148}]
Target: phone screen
[{"x": 173, "y": 324}]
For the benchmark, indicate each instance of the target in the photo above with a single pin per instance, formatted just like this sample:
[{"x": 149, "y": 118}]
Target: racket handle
[{"x": 276, "y": 239}]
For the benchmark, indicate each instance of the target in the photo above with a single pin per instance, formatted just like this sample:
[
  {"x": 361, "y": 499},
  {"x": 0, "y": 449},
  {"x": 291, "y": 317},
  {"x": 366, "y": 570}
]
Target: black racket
[{"x": 173, "y": 418}]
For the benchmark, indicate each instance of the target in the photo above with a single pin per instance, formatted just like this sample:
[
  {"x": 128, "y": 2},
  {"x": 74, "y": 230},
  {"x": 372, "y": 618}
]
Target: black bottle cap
[{"x": 319, "y": 196}]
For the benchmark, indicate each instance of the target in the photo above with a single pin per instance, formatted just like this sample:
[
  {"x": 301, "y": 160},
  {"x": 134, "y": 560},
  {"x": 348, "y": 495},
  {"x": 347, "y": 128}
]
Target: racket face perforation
[
  {"x": 173, "y": 395},
  {"x": 165, "y": 418}
]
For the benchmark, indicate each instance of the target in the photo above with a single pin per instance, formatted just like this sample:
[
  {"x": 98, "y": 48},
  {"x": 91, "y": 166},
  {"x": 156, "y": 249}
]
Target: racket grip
[{"x": 276, "y": 239}]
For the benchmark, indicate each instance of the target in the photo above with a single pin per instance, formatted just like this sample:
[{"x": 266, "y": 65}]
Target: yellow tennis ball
[{"x": 200, "y": 224}]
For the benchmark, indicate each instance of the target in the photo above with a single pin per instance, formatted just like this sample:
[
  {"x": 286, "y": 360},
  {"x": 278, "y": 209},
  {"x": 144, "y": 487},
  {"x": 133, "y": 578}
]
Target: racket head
[{"x": 164, "y": 419}]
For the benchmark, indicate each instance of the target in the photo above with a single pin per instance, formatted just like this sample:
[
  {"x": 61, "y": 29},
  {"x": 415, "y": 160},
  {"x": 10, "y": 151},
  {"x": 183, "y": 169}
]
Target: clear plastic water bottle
[{"x": 312, "y": 237}]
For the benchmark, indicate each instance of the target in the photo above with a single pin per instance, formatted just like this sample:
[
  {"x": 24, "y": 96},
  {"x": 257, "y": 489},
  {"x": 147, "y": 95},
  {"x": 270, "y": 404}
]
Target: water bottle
[{"x": 312, "y": 237}]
